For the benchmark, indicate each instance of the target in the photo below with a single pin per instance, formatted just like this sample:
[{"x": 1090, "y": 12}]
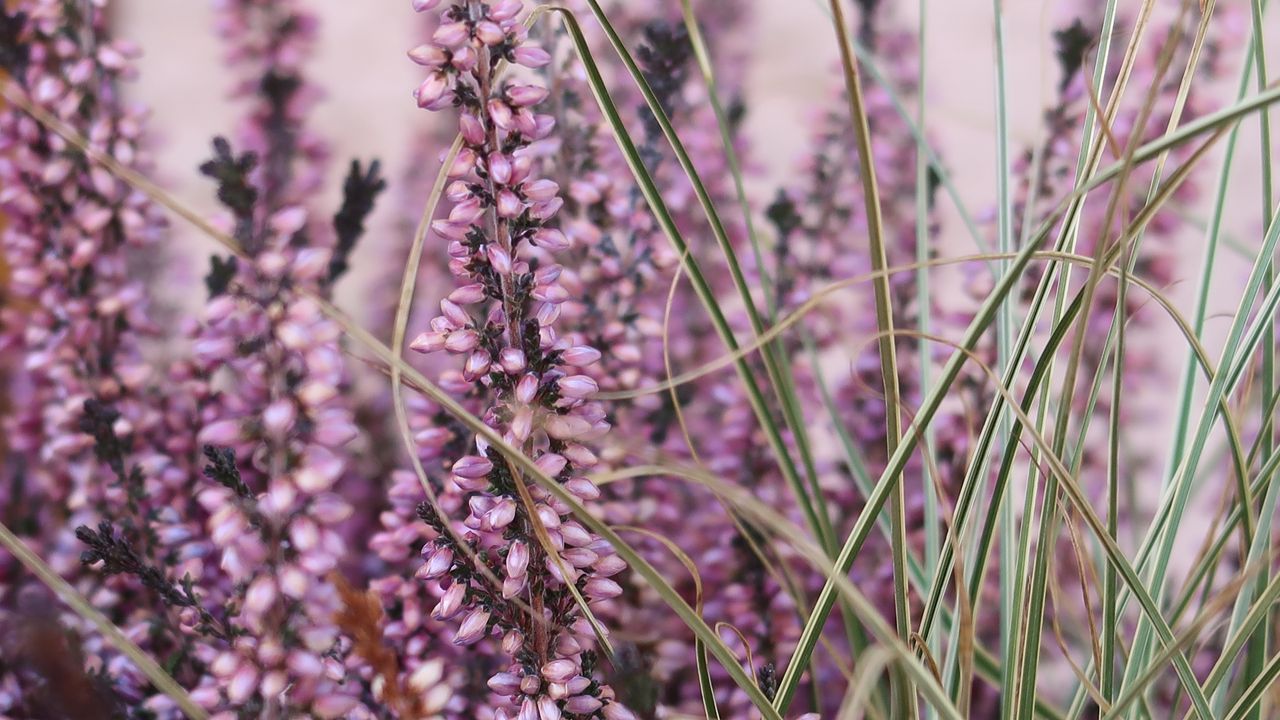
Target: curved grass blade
[{"x": 904, "y": 700}]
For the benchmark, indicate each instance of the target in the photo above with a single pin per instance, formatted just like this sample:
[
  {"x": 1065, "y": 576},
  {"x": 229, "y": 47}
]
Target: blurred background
[{"x": 792, "y": 75}]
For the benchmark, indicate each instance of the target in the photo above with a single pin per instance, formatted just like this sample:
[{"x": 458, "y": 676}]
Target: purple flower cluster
[
  {"x": 268, "y": 368},
  {"x": 73, "y": 323},
  {"x": 524, "y": 379}
]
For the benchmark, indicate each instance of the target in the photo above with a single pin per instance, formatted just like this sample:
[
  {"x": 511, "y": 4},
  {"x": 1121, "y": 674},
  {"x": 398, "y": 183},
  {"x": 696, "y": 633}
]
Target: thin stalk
[
  {"x": 904, "y": 699},
  {"x": 703, "y": 57},
  {"x": 1258, "y": 646},
  {"x": 1010, "y": 578},
  {"x": 924, "y": 301}
]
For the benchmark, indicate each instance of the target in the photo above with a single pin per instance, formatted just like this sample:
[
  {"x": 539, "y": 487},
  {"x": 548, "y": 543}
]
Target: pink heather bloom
[
  {"x": 500, "y": 323},
  {"x": 267, "y": 380},
  {"x": 79, "y": 418}
]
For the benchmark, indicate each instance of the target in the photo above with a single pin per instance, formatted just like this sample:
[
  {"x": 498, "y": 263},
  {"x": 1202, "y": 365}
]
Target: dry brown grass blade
[
  {"x": 1056, "y": 621},
  {"x": 360, "y": 619}
]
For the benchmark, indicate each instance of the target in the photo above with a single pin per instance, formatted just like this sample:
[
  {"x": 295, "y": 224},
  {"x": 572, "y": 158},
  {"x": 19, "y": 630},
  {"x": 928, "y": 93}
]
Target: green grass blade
[
  {"x": 703, "y": 57},
  {"x": 904, "y": 699}
]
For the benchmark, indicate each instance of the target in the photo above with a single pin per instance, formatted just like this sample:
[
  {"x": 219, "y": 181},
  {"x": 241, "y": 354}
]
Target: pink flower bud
[
  {"x": 600, "y": 588},
  {"x": 260, "y": 596},
  {"x": 473, "y": 627},
  {"x": 429, "y": 55},
  {"x": 575, "y": 535},
  {"x": 527, "y": 388},
  {"x": 438, "y": 564},
  {"x": 505, "y": 683},
  {"x": 581, "y": 355},
  {"x": 551, "y": 463},
  {"x": 583, "y": 488},
  {"x": 505, "y": 10},
  {"x": 577, "y": 386},
  {"x": 472, "y": 130},
  {"x": 500, "y": 168},
  {"x": 548, "y": 709},
  {"x": 551, "y": 240},
  {"x": 472, "y": 467},
  {"x": 566, "y": 427},
  {"x": 500, "y": 114},
  {"x": 451, "y": 35},
  {"x": 531, "y": 56},
  {"x": 582, "y": 705},
  {"x": 509, "y": 204},
  {"x": 220, "y": 432},
  {"x": 579, "y": 557},
  {"x": 489, "y": 33},
  {"x": 530, "y": 684},
  {"x": 424, "y": 5},
  {"x": 512, "y": 360},
  {"x": 580, "y": 456},
  {"x": 311, "y": 263},
  {"x": 468, "y": 294},
  {"x": 540, "y": 190},
  {"x": 477, "y": 364},
  {"x": 512, "y": 642},
  {"x": 502, "y": 514},
  {"x": 559, "y": 671},
  {"x": 431, "y": 89},
  {"x": 460, "y": 341},
  {"x": 526, "y": 95},
  {"x": 512, "y": 586},
  {"x": 243, "y": 683},
  {"x": 464, "y": 58},
  {"x": 517, "y": 559},
  {"x": 450, "y": 603},
  {"x": 553, "y": 294},
  {"x": 278, "y": 417},
  {"x": 522, "y": 424},
  {"x": 500, "y": 259},
  {"x": 428, "y": 342}
]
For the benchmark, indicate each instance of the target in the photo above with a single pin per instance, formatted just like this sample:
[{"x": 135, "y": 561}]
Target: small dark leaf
[
  {"x": 234, "y": 189},
  {"x": 359, "y": 193},
  {"x": 1072, "y": 42},
  {"x": 222, "y": 470},
  {"x": 14, "y": 53},
  {"x": 664, "y": 57},
  {"x": 782, "y": 213},
  {"x": 221, "y": 271}
]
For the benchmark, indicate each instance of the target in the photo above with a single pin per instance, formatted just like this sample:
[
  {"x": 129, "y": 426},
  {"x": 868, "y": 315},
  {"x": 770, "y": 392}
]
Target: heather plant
[{"x": 676, "y": 438}]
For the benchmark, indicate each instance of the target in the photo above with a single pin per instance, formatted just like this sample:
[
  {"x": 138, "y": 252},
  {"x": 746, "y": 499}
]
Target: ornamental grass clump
[{"x": 638, "y": 429}]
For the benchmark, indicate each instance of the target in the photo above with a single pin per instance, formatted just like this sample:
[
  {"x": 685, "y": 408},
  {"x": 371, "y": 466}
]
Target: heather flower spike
[
  {"x": 500, "y": 322},
  {"x": 75, "y": 243}
]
